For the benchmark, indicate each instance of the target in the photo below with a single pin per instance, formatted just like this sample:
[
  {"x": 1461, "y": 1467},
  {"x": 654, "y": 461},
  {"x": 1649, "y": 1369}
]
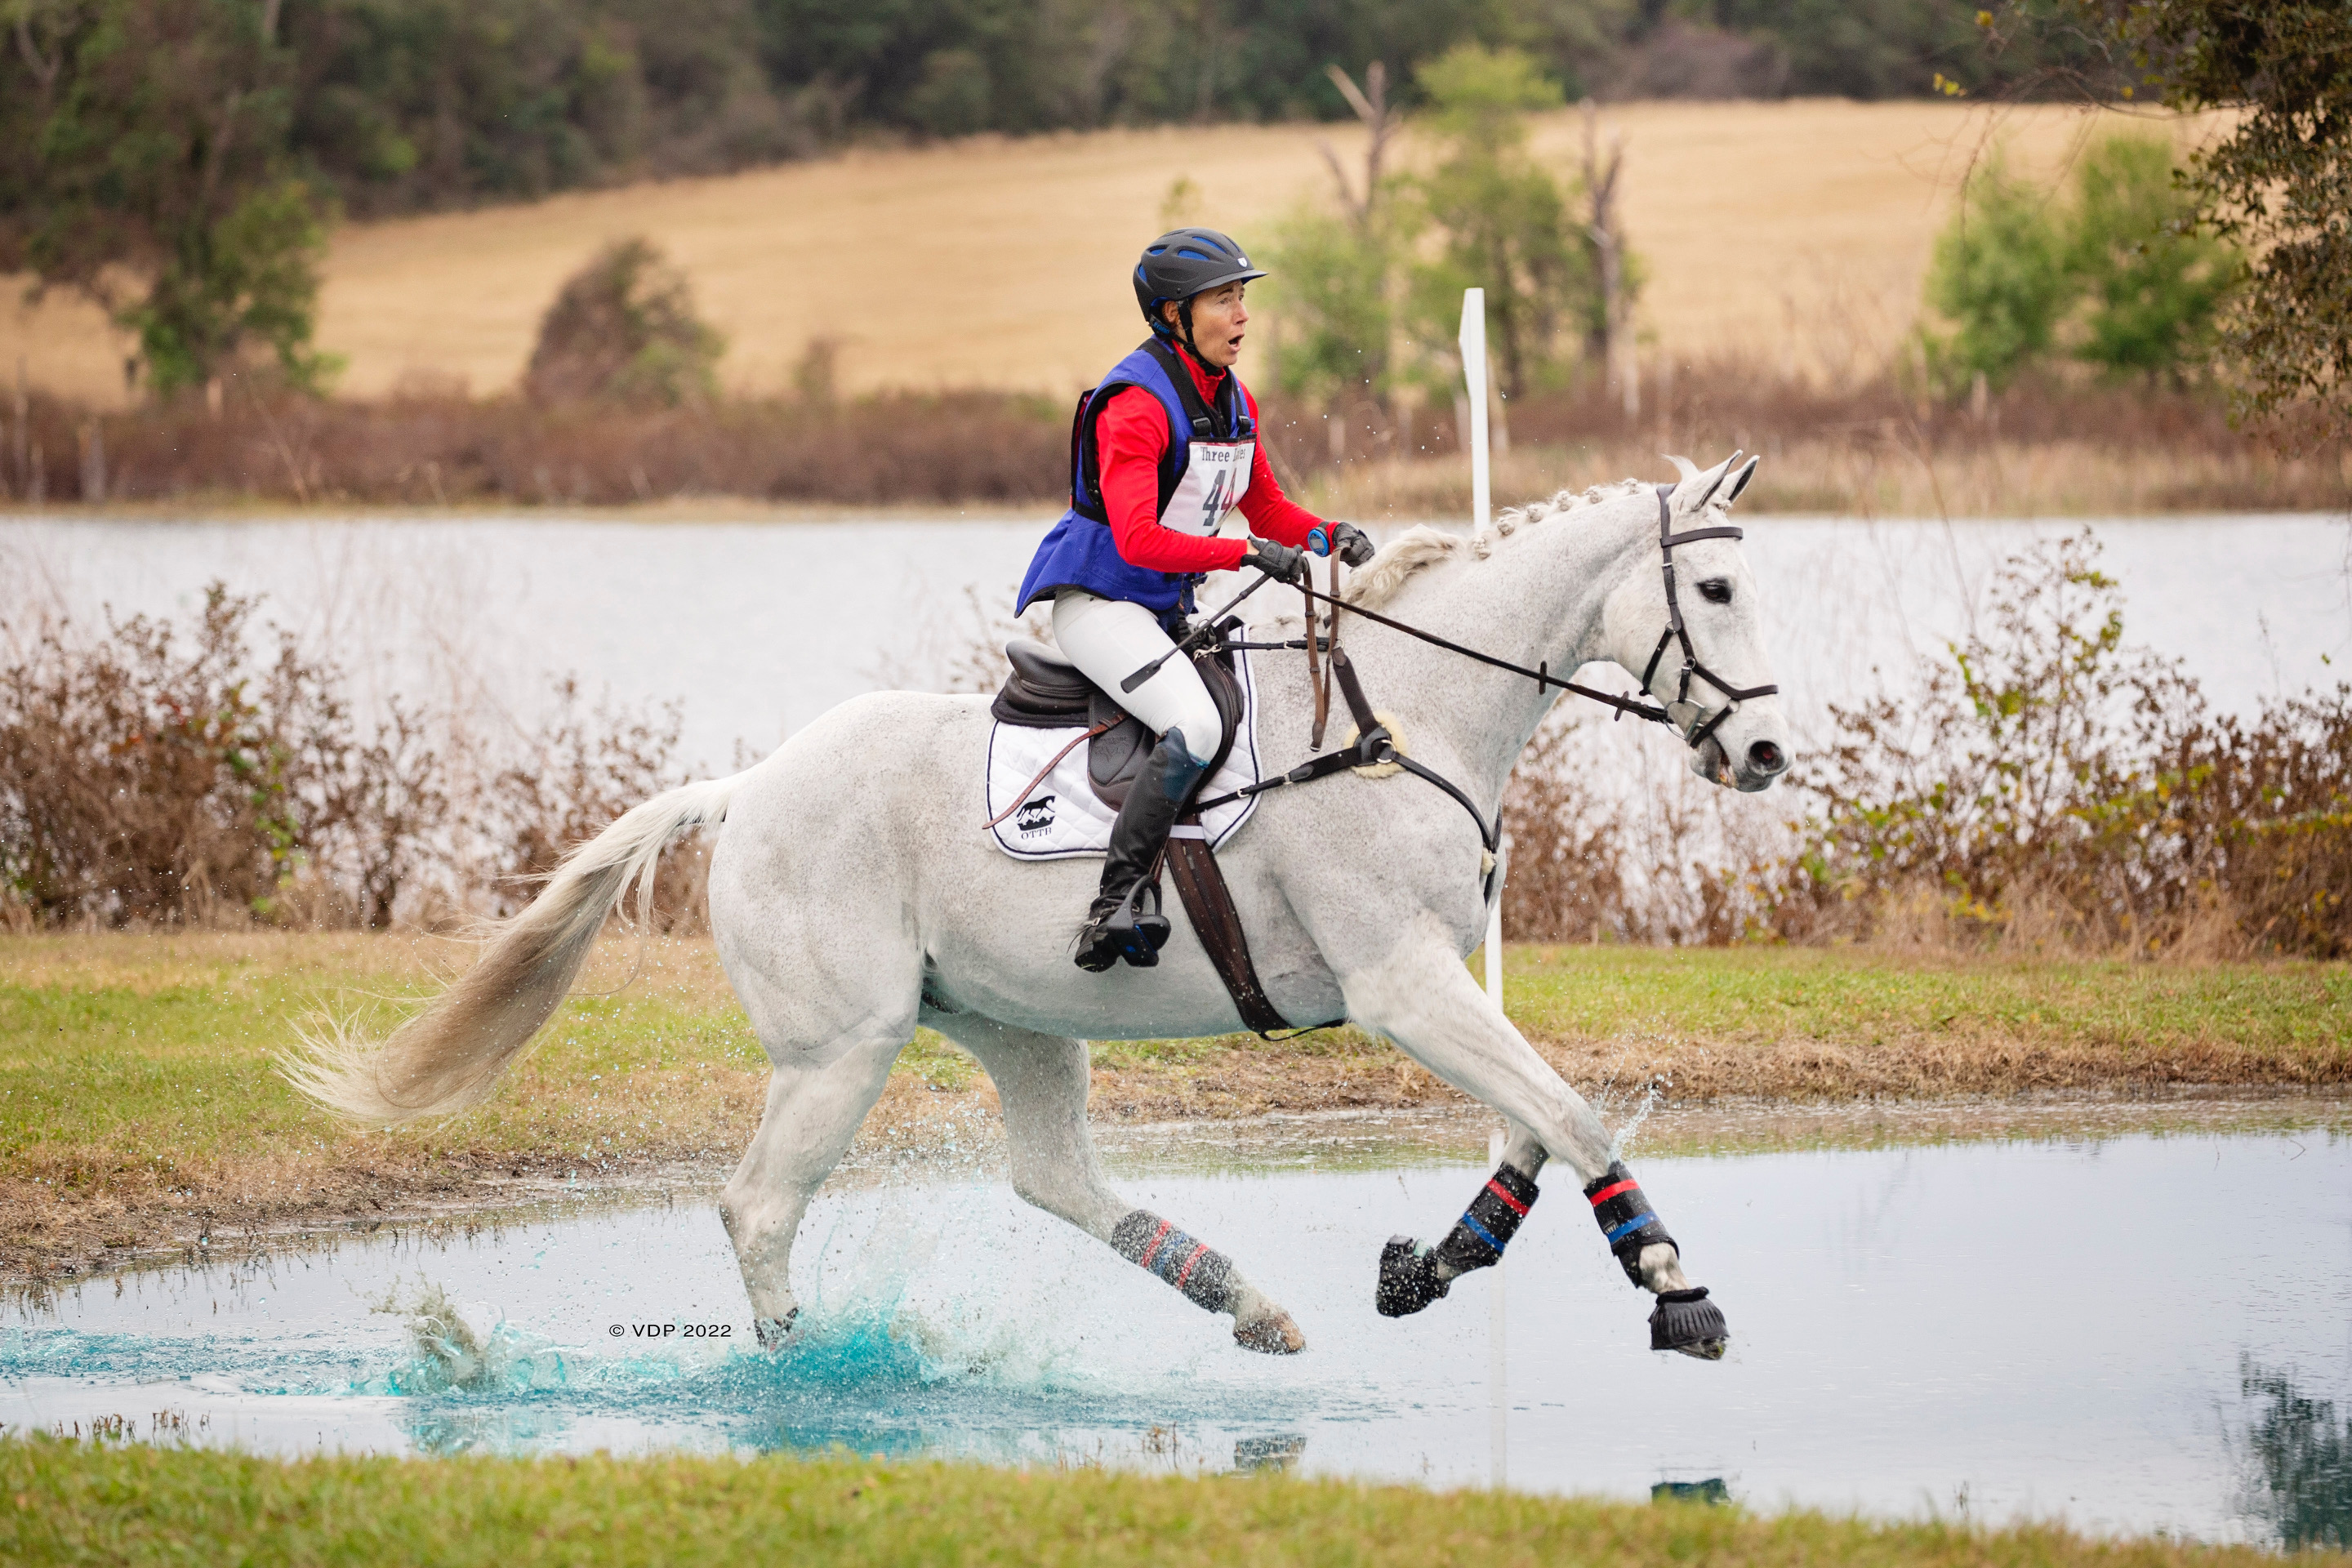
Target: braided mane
[{"x": 1423, "y": 545}]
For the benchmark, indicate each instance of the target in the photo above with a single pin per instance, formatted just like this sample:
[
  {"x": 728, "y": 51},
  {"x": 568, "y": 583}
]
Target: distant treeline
[{"x": 401, "y": 105}]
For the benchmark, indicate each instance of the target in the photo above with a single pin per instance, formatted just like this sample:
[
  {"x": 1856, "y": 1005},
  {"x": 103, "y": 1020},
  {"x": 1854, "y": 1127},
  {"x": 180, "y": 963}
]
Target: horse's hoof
[
  {"x": 772, "y": 1333},
  {"x": 1273, "y": 1335},
  {"x": 1687, "y": 1321},
  {"x": 1409, "y": 1278}
]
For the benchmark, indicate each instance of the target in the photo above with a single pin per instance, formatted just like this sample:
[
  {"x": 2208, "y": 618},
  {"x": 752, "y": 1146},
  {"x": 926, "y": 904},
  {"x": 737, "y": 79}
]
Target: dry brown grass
[
  {"x": 1797, "y": 230},
  {"x": 1885, "y": 479}
]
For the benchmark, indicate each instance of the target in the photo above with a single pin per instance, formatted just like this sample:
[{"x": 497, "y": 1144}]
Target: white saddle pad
[{"x": 1061, "y": 817}]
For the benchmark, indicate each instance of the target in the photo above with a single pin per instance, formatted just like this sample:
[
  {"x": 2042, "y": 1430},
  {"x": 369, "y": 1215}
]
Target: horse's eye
[{"x": 1715, "y": 591}]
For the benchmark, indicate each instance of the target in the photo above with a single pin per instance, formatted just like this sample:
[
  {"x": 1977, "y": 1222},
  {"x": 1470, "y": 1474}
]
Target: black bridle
[
  {"x": 1676, "y": 632},
  {"x": 1697, "y": 734}
]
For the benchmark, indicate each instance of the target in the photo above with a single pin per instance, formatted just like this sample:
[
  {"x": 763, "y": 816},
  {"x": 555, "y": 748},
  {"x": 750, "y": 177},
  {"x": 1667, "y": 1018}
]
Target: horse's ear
[
  {"x": 1739, "y": 484},
  {"x": 1683, "y": 466},
  {"x": 1696, "y": 489}
]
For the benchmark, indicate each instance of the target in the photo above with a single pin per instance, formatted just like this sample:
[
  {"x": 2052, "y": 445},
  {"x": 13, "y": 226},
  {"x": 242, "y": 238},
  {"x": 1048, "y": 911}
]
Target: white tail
[{"x": 449, "y": 1057}]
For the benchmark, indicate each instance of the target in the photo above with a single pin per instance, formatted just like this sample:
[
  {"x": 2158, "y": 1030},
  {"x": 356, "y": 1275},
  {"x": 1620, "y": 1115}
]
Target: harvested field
[{"x": 1810, "y": 257}]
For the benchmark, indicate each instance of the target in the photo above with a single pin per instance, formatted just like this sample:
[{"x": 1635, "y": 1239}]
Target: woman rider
[{"x": 1162, "y": 451}]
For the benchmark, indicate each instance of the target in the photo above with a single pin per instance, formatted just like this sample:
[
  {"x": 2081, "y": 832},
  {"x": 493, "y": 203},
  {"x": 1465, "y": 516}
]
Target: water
[
  {"x": 756, "y": 628},
  {"x": 2129, "y": 1333}
]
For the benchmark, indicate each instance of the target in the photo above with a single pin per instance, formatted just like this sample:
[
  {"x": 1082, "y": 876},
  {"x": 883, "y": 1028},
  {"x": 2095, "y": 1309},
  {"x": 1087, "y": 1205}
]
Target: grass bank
[
  {"x": 139, "y": 1112},
  {"x": 63, "y": 1502}
]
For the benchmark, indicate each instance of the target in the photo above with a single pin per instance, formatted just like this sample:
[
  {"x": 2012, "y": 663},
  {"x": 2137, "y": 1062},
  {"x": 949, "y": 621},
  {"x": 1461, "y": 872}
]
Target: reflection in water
[
  {"x": 2299, "y": 1461},
  {"x": 1278, "y": 1453}
]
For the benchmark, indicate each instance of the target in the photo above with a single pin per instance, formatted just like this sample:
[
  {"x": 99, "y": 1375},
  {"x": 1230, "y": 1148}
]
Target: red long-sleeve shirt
[{"x": 1132, "y": 437}]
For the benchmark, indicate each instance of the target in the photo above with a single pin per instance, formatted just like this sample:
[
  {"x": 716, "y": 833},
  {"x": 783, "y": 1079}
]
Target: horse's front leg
[
  {"x": 1422, "y": 998},
  {"x": 1042, "y": 1082}
]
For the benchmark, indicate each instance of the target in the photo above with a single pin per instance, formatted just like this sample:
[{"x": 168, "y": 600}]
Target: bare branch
[{"x": 1354, "y": 95}]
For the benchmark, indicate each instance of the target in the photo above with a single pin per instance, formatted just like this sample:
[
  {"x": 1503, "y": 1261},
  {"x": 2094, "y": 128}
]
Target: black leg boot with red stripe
[
  {"x": 1413, "y": 1275},
  {"x": 1684, "y": 1320}
]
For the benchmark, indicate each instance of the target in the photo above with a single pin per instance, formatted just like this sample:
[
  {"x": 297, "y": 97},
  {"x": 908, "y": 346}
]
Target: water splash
[{"x": 1653, "y": 1095}]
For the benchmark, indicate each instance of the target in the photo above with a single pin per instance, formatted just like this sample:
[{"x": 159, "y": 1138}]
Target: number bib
[{"x": 1216, "y": 477}]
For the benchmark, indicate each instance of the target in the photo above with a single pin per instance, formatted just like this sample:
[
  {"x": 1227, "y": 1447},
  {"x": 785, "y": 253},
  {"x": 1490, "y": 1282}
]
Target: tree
[
  {"x": 145, "y": 140},
  {"x": 2000, "y": 276},
  {"x": 2117, "y": 277},
  {"x": 623, "y": 330},
  {"x": 2278, "y": 182},
  {"x": 2151, "y": 285},
  {"x": 1505, "y": 216}
]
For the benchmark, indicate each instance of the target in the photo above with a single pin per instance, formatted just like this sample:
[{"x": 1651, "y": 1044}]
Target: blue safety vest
[{"x": 1080, "y": 552}]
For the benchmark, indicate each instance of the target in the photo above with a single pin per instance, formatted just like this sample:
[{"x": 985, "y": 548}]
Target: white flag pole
[{"x": 1474, "y": 372}]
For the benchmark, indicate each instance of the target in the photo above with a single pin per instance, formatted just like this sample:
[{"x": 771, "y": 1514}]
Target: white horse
[{"x": 854, "y": 896}]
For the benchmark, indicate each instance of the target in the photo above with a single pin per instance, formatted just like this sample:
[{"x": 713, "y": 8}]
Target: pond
[
  {"x": 756, "y": 628},
  {"x": 2133, "y": 1332}
]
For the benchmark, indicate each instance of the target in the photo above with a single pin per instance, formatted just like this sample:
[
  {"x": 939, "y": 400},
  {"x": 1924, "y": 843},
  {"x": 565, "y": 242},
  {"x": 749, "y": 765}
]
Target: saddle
[{"x": 1046, "y": 691}]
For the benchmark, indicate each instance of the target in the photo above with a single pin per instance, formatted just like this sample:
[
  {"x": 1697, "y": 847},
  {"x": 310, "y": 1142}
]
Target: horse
[{"x": 853, "y": 897}]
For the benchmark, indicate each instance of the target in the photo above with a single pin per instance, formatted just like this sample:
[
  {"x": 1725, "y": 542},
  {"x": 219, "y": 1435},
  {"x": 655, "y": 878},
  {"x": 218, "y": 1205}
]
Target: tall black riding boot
[{"x": 1126, "y": 921}]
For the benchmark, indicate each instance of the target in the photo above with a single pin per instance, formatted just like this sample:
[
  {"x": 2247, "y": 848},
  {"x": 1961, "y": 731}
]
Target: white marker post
[
  {"x": 1474, "y": 372},
  {"x": 1498, "y": 1398}
]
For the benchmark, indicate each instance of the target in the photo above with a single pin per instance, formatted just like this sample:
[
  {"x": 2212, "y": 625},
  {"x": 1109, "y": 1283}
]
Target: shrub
[
  {"x": 2152, "y": 285},
  {"x": 2054, "y": 783},
  {"x": 623, "y": 330},
  {"x": 152, "y": 777}
]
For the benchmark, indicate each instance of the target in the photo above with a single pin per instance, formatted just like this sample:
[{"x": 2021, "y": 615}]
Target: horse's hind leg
[
  {"x": 812, "y": 1112},
  {"x": 1041, "y": 1081}
]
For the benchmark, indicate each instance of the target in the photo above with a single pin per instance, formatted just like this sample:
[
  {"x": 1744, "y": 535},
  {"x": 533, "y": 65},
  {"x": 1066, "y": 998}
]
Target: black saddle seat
[{"x": 1046, "y": 691}]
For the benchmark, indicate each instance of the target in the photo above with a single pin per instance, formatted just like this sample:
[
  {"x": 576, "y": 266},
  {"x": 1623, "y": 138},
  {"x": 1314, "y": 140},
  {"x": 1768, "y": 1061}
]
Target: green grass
[
  {"x": 1849, "y": 998},
  {"x": 85, "y": 1503}
]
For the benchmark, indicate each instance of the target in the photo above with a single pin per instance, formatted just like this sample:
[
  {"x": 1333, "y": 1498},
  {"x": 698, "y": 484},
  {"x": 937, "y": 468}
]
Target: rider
[{"x": 1160, "y": 452}]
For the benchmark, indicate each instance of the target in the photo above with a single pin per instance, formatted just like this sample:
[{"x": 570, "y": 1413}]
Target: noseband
[{"x": 1676, "y": 632}]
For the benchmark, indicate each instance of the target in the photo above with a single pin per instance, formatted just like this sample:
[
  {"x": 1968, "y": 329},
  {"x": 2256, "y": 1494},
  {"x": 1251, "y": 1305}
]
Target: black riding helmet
[{"x": 1184, "y": 263}]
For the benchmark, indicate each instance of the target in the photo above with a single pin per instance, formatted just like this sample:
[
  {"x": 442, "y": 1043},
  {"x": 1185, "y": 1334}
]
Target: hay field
[{"x": 1795, "y": 229}]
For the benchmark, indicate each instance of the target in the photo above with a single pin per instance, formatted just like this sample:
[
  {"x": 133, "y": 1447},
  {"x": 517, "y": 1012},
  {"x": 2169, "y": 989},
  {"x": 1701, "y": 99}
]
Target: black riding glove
[
  {"x": 1280, "y": 561},
  {"x": 1351, "y": 543}
]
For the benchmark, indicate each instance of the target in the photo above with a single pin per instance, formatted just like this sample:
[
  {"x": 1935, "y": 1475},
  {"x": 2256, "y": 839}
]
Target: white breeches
[{"x": 1109, "y": 639}]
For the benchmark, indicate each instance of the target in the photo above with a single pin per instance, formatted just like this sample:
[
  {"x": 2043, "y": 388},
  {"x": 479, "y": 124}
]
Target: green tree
[
  {"x": 1333, "y": 290},
  {"x": 1504, "y": 216},
  {"x": 144, "y": 139},
  {"x": 2000, "y": 276},
  {"x": 2151, "y": 284}
]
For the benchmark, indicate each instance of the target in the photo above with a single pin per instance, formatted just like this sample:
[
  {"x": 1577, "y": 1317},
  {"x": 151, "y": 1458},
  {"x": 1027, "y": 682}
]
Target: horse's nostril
[{"x": 1765, "y": 758}]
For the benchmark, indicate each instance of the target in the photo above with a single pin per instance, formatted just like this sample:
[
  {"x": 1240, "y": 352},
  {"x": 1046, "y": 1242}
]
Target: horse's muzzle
[{"x": 1763, "y": 762}]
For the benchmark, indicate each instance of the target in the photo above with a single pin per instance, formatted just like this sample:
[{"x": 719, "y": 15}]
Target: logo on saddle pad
[{"x": 1034, "y": 816}]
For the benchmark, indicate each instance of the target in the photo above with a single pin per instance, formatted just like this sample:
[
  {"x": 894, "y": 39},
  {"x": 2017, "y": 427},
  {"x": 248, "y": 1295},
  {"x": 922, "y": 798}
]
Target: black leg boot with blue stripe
[
  {"x": 1685, "y": 1320},
  {"x": 1413, "y": 1275}
]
